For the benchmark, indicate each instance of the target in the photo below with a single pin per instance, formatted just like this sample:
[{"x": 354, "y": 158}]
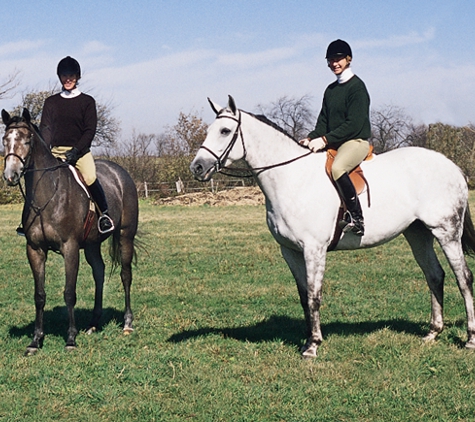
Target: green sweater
[{"x": 344, "y": 114}]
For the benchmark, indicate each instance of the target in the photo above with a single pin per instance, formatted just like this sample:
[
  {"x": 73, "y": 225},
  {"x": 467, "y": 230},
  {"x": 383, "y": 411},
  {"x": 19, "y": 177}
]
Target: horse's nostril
[{"x": 196, "y": 168}]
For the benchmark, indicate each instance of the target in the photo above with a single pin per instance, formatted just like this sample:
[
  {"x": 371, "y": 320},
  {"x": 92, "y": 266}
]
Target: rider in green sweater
[{"x": 343, "y": 123}]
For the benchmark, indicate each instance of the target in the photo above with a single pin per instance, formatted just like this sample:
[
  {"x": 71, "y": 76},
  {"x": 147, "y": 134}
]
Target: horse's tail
[
  {"x": 468, "y": 235},
  {"x": 114, "y": 250}
]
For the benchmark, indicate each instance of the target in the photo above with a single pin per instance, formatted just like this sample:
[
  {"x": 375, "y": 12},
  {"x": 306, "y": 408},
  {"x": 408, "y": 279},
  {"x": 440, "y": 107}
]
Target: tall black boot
[
  {"x": 105, "y": 223},
  {"x": 354, "y": 216}
]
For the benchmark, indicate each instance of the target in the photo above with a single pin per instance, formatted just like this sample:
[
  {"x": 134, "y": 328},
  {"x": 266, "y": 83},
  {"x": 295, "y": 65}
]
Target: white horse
[{"x": 414, "y": 191}]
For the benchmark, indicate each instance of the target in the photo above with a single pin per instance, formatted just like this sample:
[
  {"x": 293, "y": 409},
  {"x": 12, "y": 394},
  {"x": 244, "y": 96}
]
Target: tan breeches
[
  {"x": 85, "y": 164},
  {"x": 350, "y": 155}
]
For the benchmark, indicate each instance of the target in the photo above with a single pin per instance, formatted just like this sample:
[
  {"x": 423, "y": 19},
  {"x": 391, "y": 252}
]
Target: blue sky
[{"x": 153, "y": 59}]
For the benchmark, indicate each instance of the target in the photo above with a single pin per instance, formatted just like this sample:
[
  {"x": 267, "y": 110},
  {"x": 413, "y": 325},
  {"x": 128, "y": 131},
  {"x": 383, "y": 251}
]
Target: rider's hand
[
  {"x": 317, "y": 144},
  {"x": 72, "y": 156},
  {"x": 304, "y": 142}
]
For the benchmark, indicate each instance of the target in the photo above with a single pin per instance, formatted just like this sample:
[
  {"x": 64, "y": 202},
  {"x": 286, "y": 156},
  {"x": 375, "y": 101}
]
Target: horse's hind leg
[
  {"x": 454, "y": 253},
  {"x": 126, "y": 256},
  {"x": 93, "y": 256},
  {"x": 421, "y": 241}
]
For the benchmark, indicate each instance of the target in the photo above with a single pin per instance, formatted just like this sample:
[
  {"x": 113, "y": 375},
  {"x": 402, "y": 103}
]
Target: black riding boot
[
  {"x": 105, "y": 223},
  {"x": 353, "y": 219}
]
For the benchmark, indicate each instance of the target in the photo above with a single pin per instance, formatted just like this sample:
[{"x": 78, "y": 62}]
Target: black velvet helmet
[
  {"x": 69, "y": 66},
  {"x": 338, "y": 48}
]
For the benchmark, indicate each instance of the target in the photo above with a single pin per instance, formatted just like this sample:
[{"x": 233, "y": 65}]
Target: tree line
[{"x": 164, "y": 158}]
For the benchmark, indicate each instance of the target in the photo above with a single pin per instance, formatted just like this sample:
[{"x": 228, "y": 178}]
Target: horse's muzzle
[
  {"x": 202, "y": 170},
  {"x": 11, "y": 178}
]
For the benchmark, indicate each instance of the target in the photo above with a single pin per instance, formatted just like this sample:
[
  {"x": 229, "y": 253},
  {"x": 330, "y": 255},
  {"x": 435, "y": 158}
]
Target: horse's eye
[{"x": 225, "y": 131}]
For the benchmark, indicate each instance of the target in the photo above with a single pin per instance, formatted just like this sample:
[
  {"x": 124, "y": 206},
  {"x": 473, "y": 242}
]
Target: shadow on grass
[
  {"x": 56, "y": 322},
  {"x": 292, "y": 331}
]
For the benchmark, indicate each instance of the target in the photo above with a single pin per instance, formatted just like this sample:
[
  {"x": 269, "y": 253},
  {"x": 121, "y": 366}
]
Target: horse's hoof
[
  {"x": 470, "y": 345},
  {"x": 127, "y": 331},
  {"x": 31, "y": 351},
  {"x": 69, "y": 348},
  {"x": 430, "y": 337},
  {"x": 309, "y": 352},
  {"x": 91, "y": 330}
]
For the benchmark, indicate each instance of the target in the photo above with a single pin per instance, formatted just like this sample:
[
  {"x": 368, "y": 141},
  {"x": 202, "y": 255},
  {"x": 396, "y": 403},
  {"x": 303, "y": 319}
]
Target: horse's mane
[{"x": 264, "y": 119}]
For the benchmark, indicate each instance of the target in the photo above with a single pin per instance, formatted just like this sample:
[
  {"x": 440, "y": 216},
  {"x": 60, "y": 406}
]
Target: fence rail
[{"x": 164, "y": 189}]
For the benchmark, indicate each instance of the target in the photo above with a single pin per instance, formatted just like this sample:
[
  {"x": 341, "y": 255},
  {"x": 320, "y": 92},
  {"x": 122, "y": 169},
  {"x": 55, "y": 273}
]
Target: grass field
[{"x": 218, "y": 330}]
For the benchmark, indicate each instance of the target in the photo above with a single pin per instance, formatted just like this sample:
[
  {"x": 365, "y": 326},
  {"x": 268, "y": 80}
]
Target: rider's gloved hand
[
  {"x": 72, "y": 156},
  {"x": 313, "y": 145}
]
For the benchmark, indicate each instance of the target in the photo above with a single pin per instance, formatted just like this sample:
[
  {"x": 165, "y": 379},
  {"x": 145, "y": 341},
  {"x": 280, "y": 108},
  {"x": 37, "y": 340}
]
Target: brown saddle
[
  {"x": 356, "y": 175},
  {"x": 359, "y": 182}
]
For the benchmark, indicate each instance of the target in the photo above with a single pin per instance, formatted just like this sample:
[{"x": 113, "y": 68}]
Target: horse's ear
[
  {"x": 232, "y": 104},
  {"x": 216, "y": 108},
  {"x": 26, "y": 115},
  {"x": 6, "y": 117}
]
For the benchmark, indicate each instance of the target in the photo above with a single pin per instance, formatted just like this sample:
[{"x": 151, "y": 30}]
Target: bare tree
[
  {"x": 417, "y": 135},
  {"x": 391, "y": 128},
  {"x": 33, "y": 101},
  {"x": 137, "y": 156},
  {"x": 8, "y": 87},
  {"x": 108, "y": 127},
  {"x": 292, "y": 114}
]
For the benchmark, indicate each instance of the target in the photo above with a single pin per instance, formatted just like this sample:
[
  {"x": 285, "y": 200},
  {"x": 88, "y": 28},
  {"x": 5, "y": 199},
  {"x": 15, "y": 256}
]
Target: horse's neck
[
  {"x": 42, "y": 156},
  {"x": 266, "y": 146},
  {"x": 41, "y": 162}
]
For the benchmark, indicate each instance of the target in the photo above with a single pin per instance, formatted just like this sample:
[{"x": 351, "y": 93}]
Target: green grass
[{"x": 218, "y": 330}]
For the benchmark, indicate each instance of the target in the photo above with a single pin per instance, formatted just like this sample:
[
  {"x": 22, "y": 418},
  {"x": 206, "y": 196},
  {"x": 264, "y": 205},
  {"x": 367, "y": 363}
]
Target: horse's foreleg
[
  {"x": 308, "y": 269},
  {"x": 37, "y": 259},
  {"x": 127, "y": 254},
  {"x": 71, "y": 263},
  {"x": 94, "y": 259}
]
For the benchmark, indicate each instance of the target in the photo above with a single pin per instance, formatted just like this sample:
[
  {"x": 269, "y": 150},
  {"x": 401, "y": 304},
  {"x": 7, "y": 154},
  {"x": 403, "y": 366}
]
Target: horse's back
[
  {"x": 415, "y": 170},
  {"x": 410, "y": 184}
]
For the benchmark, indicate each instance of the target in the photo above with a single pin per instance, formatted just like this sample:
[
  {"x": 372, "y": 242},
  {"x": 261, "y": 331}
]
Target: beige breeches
[
  {"x": 350, "y": 155},
  {"x": 85, "y": 164}
]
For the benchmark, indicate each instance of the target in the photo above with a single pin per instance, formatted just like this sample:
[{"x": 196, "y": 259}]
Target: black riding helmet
[
  {"x": 69, "y": 66},
  {"x": 338, "y": 48}
]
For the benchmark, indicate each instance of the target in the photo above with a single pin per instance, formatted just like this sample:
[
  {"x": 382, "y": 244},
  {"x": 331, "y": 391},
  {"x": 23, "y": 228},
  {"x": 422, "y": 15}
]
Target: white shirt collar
[
  {"x": 345, "y": 76},
  {"x": 70, "y": 94}
]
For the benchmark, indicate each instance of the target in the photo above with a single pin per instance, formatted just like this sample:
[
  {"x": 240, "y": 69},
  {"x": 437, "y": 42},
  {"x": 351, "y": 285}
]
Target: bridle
[
  {"x": 220, "y": 160},
  {"x": 218, "y": 164},
  {"x": 25, "y": 161}
]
